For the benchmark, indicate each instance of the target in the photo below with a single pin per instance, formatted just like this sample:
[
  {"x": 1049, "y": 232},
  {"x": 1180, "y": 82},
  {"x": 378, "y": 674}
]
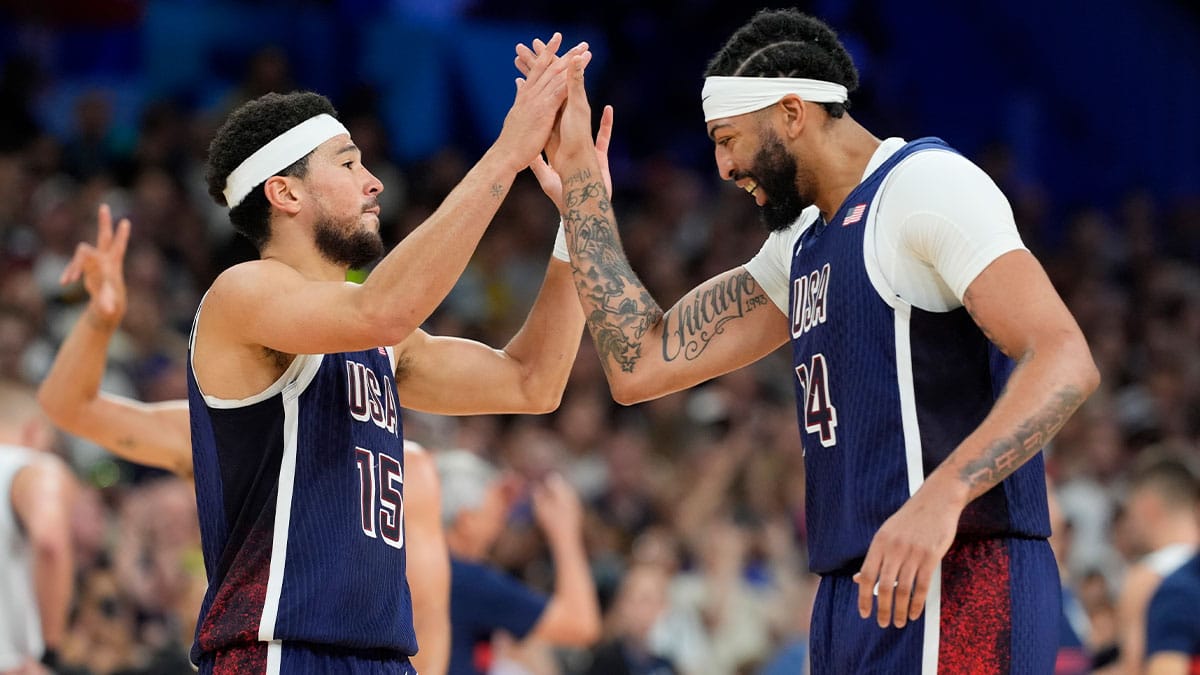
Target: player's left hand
[
  {"x": 100, "y": 268},
  {"x": 903, "y": 556}
]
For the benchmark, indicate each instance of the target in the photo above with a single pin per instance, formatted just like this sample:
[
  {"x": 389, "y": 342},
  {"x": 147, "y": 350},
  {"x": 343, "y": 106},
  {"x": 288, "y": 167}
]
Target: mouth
[{"x": 373, "y": 209}]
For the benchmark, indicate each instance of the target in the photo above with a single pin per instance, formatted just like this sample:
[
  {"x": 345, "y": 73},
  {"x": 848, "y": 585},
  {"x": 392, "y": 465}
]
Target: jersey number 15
[{"x": 389, "y": 526}]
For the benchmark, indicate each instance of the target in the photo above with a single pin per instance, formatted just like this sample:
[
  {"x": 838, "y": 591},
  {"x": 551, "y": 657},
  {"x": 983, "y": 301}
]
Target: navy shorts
[
  {"x": 286, "y": 658},
  {"x": 993, "y": 607}
]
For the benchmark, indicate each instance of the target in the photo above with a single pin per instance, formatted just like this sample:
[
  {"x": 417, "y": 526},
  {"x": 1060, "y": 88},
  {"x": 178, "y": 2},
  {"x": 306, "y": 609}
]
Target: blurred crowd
[{"x": 694, "y": 502}]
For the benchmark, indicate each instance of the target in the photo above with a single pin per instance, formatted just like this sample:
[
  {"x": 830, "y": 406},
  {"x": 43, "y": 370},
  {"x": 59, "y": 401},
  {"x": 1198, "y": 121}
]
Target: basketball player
[
  {"x": 933, "y": 359},
  {"x": 1172, "y": 629},
  {"x": 296, "y": 380},
  {"x": 1160, "y": 509},
  {"x": 37, "y": 563},
  {"x": 158, "y": 435}
]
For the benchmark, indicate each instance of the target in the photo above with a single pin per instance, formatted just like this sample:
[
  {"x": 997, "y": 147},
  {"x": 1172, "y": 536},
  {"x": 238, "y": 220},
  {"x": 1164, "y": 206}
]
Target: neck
[
  {"x": 840, "y": 159},
  {"x": 1180, "y": 529},
  {"x": 292, "y": 244}
]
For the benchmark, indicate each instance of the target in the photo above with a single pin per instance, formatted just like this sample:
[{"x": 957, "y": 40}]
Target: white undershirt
[{"x": 939, "y": 221}]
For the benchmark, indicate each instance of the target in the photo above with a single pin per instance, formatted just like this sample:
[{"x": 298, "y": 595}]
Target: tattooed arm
[
  {"x": 722, "y": 324},
  {"x": 1015, "y": 305}
]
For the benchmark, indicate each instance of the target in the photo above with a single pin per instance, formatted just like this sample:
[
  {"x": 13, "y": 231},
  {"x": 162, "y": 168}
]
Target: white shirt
[
  {"x": 939, "y": 221},
  {"x": 20, "y": 626}
]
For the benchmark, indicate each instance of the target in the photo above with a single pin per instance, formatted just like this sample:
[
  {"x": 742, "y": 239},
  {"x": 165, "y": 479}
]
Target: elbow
[
  {"x": 54, "y": 406},
  {"x": 51, "y": 547},
  {"x": 543, "y": 402},
  {"x": 589, "y": 629},
  {"x": 583, "y": 631},
  {"x": 1087, "y": 373},
  {"x": 631, "y": 391}
]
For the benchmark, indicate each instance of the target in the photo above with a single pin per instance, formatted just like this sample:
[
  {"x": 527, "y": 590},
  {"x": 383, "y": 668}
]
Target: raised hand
[
  {"x": 549, "y": 179},
  {"x": 100, "y": 266},
  {"x": 540, "y": 94},
  {"x": 557, "y": 509}
]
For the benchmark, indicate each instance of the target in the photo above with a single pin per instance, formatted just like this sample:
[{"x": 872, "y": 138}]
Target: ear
[
  {"x": 283, "y": 192},
  {"x": 795, "y": 114}
]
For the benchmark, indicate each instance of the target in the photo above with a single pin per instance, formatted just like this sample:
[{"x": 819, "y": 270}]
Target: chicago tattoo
[
  {"x": 618, "y": 308},
  {"x": 695, "y": 321},
  {"x": 1005, "y": 455}
]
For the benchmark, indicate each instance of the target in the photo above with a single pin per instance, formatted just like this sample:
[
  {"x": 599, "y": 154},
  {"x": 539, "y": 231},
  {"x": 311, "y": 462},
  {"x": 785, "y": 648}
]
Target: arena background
[{"x": 1084, "y": 113}]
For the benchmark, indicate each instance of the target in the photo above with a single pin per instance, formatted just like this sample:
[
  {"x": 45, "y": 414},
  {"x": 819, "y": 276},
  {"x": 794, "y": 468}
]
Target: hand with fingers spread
[
  {"x": 100, "y": 268},
  {"x": 540, "y": 94},
  {"x": 903, "y": 556}
]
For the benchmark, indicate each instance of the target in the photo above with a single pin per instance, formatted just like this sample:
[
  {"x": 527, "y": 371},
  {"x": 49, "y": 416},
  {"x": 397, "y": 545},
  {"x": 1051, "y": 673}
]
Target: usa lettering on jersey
[
  {"x": 371, "y": 399},
  {"x": 808, "y": 300}
]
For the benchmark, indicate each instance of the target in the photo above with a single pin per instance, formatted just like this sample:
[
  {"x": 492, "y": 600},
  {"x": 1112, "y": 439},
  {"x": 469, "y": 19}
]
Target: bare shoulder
[{"x": 252, "y": 278}]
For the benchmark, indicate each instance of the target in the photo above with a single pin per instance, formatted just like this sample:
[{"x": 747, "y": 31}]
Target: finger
[
  {"x": 83, "y": 251},
  {"x": 921, "y": 591},
  {"x": 542, "y": 171},
  {"x": 525, "y": 59},
  {"x": 538, "y": 46},
  {"x": 121, "y": 242},
  {"x": 904, "y": 592},
  {"x": 604, "y": 134},
  {"x": 546, "y": 58},
  {"x": 886, "y": 585},
  {"x": 103, "y": 227},
  {"x": 866, "y": 578}
]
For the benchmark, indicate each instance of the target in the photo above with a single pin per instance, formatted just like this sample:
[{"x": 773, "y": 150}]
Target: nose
[
  {"x": 374, "y": 185},
  {"x": 724, "y": 163}
]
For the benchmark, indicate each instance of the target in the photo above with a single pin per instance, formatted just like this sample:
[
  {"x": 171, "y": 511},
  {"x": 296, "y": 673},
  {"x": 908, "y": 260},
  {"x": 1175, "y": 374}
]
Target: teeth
[{"x": 751, "y": 187}]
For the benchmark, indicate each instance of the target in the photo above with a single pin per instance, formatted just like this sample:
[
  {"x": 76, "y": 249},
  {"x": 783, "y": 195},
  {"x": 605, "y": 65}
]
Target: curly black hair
[
  {"x": 787, "y": 43},
  {"x": 248, "y": 128}
]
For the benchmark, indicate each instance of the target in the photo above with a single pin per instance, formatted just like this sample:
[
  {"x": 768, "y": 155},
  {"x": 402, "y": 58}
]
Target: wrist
[
  {"x": 949, "y": 489},
  {"x": 100, "y": 322}
]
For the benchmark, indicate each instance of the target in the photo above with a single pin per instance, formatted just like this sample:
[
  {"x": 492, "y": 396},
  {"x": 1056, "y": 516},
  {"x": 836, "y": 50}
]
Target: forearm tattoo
[
  {"x": 1007, "y": 454},
  {"x": 619, "y": 309},
  {"x": 696, "y": 320}
]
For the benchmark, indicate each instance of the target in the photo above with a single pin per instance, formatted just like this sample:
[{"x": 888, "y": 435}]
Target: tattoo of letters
[
  {"x": 696, "y": 321},
  {"x": 1007, "y": 454}
]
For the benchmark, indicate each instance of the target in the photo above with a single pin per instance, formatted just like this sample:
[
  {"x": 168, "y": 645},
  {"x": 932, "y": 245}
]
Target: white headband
[
  {"x": 729, "y": 96},
  {"x": 279, "y": 154}
]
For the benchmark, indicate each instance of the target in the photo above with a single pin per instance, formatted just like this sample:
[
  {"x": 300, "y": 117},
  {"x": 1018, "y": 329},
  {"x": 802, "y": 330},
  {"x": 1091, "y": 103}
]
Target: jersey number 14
[{"x": 820, "y": 415}]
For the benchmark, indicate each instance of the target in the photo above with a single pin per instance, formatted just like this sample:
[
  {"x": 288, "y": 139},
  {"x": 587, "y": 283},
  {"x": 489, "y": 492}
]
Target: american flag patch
[{"x": 854, "y": 215}]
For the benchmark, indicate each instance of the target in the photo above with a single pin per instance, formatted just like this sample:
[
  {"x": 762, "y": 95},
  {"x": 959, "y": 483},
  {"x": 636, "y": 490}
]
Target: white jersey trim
[
  {"x": 932, "y": 640},
  {"x": 771, "y": 267},
  {"x": 301, "y": 371},
  {"x": 283, "y": 511},
  {"x": 274, "y": 657}
]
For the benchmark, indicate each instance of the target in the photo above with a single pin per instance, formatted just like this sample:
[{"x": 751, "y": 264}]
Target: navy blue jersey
[
  {"x": 885, "y": 391},
  {"x": 482, "y": 601},
  {"x": 1171, "y": 621},
  {"x": 300, "y": 497}
]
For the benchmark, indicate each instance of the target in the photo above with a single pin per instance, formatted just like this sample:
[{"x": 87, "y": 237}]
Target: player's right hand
[
  {"x": 100, "y": 267},
  {"x": 539, "y": 96}
]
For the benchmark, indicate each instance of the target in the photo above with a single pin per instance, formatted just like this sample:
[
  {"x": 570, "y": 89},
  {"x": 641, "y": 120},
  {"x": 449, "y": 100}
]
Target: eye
[
  {"x": 349, "y": 164},
  {"x": 724, "y": 141}
]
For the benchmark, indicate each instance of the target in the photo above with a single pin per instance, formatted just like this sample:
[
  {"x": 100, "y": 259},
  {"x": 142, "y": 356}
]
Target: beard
[
  {"x": 777, "y": 172},
  {"x": 347, "y": 243}
]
